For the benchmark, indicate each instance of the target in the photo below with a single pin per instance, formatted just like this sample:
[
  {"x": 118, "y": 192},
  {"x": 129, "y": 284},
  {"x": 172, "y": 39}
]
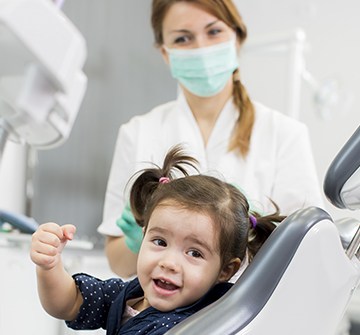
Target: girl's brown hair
[
  {"x": 226, "y": 11},
  {"x": 222, "y": 202}
]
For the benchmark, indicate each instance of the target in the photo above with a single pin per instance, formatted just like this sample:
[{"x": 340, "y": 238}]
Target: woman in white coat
[{"x": 265, "y": 153}]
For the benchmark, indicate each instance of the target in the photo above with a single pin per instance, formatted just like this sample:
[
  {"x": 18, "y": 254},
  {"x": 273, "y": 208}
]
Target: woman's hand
[{"x": 132, "y": 231}]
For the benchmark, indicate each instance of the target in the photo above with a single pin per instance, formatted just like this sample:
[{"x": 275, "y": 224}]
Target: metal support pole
[{"x": 4, "y": 134}]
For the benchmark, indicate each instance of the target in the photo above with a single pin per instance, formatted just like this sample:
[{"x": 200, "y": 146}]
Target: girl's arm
[{"x": 58, "y": 293}]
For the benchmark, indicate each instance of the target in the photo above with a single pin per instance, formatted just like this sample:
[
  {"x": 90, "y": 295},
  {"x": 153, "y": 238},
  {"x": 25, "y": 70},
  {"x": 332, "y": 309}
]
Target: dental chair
[{"x": 303, "y": 277}]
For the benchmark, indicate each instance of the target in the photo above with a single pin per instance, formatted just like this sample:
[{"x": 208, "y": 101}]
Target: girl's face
[
  {"x": 179, "y": 258},
  {"x": 188, "y": 26}
]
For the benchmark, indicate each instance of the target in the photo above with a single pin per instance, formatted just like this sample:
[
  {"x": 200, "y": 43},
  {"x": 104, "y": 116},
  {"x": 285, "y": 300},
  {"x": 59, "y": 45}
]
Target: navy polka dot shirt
[{"x": 105, "y": 302}]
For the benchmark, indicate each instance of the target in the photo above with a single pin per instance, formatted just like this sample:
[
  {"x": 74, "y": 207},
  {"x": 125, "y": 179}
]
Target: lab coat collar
[{"x": 224, "y": 125}]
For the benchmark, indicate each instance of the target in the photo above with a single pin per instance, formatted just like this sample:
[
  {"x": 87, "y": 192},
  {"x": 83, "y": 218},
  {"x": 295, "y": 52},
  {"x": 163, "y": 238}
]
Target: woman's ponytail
[{"x": 244, "y": 125}]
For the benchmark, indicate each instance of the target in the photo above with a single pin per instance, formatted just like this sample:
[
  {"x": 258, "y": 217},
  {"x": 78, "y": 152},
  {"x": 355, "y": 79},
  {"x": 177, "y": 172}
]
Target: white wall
[{"x": 332, "y": 28}]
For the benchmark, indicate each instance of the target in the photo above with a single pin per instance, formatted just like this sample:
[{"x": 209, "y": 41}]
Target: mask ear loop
[
  {"x": 236, "y": 73},
  {"x": 236, "y": 76}
]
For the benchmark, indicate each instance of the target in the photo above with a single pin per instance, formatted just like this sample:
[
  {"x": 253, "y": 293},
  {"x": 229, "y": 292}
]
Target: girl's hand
[{"x": 48, "y": 242}]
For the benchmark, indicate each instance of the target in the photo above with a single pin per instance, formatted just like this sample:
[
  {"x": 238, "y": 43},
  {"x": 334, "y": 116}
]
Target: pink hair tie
[{"x": 164, "y": 180}]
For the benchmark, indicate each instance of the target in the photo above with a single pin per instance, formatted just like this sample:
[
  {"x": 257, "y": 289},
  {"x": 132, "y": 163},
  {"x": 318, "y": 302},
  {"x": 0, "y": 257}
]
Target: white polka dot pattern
[{"x": 105, "y": 301}]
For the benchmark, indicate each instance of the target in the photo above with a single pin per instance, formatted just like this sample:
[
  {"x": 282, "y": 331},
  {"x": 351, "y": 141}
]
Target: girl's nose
[{"x": 169, "y": 263}]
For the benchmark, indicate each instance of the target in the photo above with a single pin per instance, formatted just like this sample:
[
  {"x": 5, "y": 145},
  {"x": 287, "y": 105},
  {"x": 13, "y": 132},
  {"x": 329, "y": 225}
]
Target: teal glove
[{"x": 132, "y": 231}]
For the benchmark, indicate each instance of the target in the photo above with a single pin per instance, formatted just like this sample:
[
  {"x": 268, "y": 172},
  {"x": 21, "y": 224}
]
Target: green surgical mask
[{"x": 204, "y": 71}]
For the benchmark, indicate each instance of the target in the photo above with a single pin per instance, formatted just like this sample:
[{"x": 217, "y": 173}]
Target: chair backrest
[
  {"x": 342, "y": 180},
  {"x": 286, "y": 289},
  {"x": 301, "y": 280}
]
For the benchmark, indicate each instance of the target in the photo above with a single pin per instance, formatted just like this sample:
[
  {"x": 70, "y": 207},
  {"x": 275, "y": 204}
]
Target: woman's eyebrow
[
  {"x": 211, "y": 23},
  {"x": 188, "y": 31},
  {"x": 183, "y": 31}
]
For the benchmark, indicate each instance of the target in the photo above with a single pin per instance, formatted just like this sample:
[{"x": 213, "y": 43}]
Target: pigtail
[
  {"x": 260, "y": 229},
  {"x": 245, "y": 122},
  {"x": 150, "y": 180},
  {"x": 177, "y": 160},
  {"x": 143, "y": 187}
]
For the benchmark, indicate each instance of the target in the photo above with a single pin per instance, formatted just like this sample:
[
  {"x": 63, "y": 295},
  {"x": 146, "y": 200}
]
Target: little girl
[{"x": 197, "y": 231}]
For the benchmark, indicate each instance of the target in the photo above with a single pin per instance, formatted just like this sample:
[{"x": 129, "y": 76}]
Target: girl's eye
[
  {"x": 159, "y": 242},
  {"x": 195, "y": 254}
]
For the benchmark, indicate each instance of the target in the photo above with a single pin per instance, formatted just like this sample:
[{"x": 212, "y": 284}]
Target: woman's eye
[
  {"x": 195, "y": 254},
  {"x": 214, "y": 32},
  {"x": 182, "y": 39},
  {"x": 159, "y": 242}
]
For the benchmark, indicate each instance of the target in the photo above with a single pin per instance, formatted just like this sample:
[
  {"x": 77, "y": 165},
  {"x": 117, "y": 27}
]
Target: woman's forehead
[{"x": 183, "y": 15}]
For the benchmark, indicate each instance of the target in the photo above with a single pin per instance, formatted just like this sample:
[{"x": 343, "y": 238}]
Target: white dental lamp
[
  {"x": 43, "y": 85},
  {"x": 328, "y": 96}
]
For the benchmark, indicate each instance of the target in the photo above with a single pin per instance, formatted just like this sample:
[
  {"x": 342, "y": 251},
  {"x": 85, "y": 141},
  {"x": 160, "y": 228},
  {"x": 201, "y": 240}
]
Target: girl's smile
[{"x": 179, "y": 259}]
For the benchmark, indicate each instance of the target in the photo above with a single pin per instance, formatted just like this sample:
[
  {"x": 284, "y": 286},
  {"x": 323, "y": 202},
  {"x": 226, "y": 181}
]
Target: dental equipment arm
[
  {"x": 41, "y": 92},
  {"x": 42, "y": 83},
  {"x": 22, "y": 222}
]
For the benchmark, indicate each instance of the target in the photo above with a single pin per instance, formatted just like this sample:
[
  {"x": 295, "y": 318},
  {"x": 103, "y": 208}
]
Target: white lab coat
[{"x": 279, "y": 165}]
